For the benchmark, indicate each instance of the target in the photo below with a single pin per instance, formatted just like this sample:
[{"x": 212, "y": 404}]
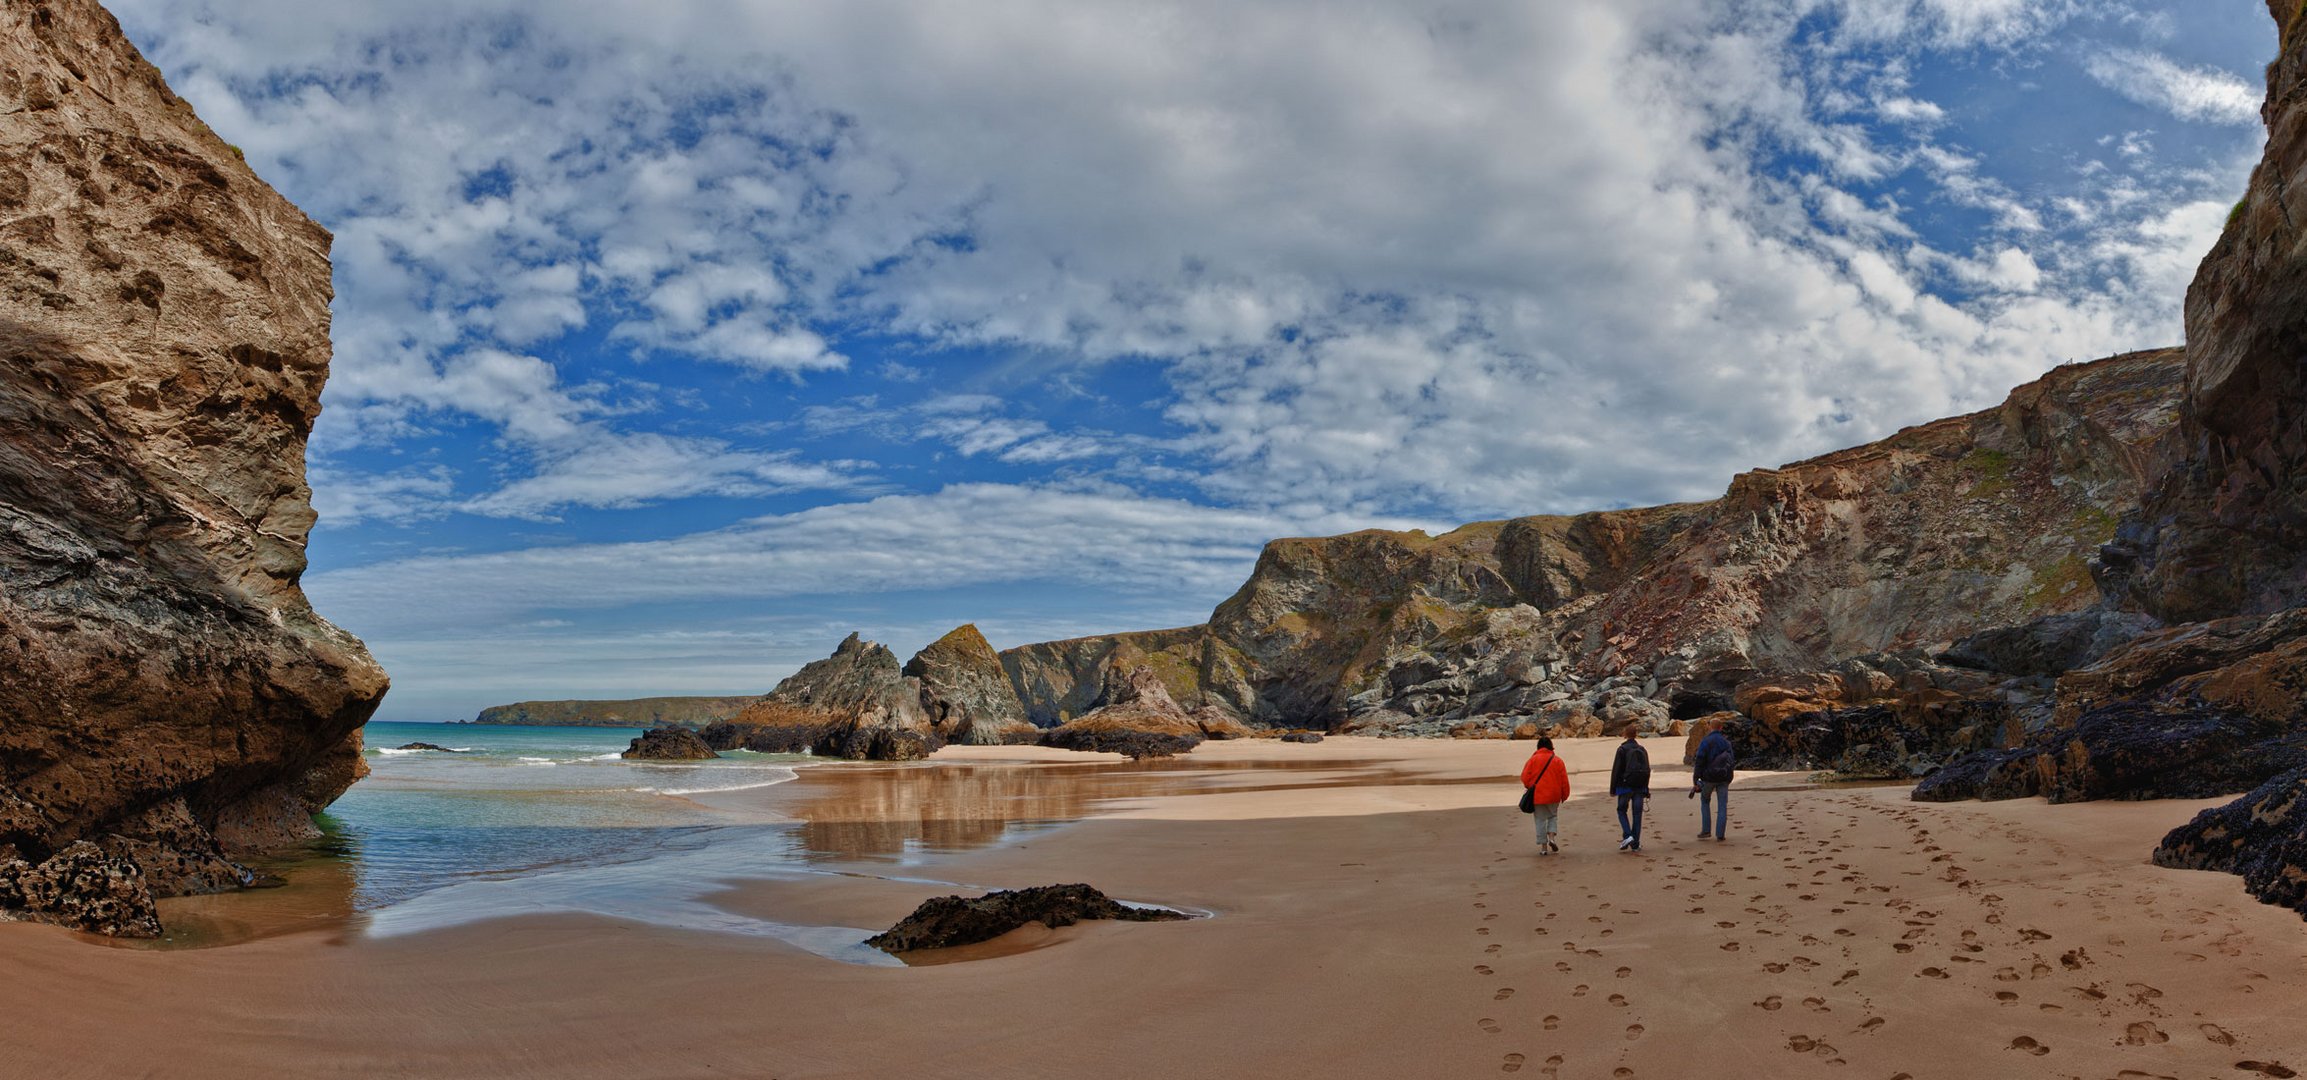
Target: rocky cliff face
[
  {"x": 1645, "y": 615},
  {"x": 2224, "y": 529},
  {"x": 164, "y": 318},
  {"x": 857, "y": 703},
  {"x": 966, "y": 693}
]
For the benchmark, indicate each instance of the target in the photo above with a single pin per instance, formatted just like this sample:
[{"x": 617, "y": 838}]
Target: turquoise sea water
[{"x": 519, "y": 801}]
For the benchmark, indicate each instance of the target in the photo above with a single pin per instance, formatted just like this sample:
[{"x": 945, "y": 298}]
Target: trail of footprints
[
  {"x": 1762, "y": 922},
  {"x": 1570, "y": 978}
]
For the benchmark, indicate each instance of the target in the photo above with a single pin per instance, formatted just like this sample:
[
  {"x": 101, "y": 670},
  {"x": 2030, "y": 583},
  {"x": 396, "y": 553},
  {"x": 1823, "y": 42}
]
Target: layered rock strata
[
  {"x": 170, "y": 694},
  {"x": 857, "y": 703}
]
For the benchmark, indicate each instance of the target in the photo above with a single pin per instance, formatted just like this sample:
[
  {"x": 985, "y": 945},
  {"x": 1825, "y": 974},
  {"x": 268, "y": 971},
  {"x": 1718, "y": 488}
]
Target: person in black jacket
[
  {"x": 1630, "y": 781},
  {"x": 1710, "y": 779}
]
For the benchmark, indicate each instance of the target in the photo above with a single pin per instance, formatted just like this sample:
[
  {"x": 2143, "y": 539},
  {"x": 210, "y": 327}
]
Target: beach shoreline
[{"x": 1380, "y": 910}]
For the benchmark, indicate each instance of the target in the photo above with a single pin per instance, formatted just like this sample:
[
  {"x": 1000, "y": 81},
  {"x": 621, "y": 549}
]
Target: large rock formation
[
  {"x": 1650, "y": 615},
  {"x": 169, "y": 694},
  {"x": 966, "y": 693},
  {"x": 1142, "y": 720},
  {"x": 629, "y": 712},
  {"x": 857, "y": 703}
]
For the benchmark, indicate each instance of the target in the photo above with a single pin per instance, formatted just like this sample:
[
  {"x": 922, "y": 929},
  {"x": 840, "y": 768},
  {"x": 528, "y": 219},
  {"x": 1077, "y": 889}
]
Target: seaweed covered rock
[
  {"x": 82, "y": 887},
  {"x": 954, "y": 920},
  {"x": 669, "y": 744},
  {"x": 1135, "y": 745},
  {"x": 2261, "y": 836}
]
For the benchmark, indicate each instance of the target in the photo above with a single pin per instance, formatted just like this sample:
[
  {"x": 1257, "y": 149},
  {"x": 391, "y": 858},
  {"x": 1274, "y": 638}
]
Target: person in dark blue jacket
[
  {"x": 1630, "y": 781},
  {"x": 1710, "y": 779}
]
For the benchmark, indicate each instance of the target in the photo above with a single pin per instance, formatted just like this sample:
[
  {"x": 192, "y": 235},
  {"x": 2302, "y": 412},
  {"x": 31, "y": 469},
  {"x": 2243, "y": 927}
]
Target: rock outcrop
[
  {"x": 1647, "y": 616},
  {"x": 669, "y": 744},
  {"x": 966, "y": 692},
  {"x": 169, "y": 693},
  {"x": 630, "y": 712},
  {"x": 857, "y": 703},
  {"x": 2261, "y": 836},
  {"x": 1140, "y": 719},
  {"x": 947, "y": 921}
]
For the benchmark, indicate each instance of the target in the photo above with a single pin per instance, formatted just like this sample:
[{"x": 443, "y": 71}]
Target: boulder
[
  {"x": 1135, "y": 745},
  {"x": 164, "y": 338},
  {"x": 1301, "y": 736},
  {"x": 81, "y": 887},
  {"x": 669, "y": 744},
  {"x": 426, "y": 746},
  {"x": 1142, "y": 720},
  {"x": 947, "y": 921},
  {"x": 2261, "y": 836},
  {"x": 965, "y": 692}
]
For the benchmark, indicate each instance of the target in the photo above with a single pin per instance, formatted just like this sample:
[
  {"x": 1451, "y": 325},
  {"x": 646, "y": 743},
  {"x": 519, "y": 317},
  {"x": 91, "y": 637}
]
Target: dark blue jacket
[
  {"x": 1630, "y": 770},
  {"x": 1715, "y": 759}
]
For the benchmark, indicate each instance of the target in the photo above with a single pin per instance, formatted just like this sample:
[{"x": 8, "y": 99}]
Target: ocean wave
[
  {"x": 789, "y": 776},
  {"x": 613, "y": 755},
  {"x": 538, "y": 761}
]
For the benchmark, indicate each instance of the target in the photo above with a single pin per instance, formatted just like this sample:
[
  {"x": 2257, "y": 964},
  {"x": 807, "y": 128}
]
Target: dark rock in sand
[
  {"x": 1306, "y": 736},
  {"x": 1136, "y": 745},
  {"x": 1896, "y": 740},
  {"x": 2261, "y": 836},
  {"x": 669, "y": 744},
  {"x": 953, "y": 920},
  {"x": 82, "y": 887},
  {"x": 426, "y": 746}
]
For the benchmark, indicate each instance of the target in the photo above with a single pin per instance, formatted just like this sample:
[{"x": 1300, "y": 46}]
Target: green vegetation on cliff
[{"x": 635, "y": 712}]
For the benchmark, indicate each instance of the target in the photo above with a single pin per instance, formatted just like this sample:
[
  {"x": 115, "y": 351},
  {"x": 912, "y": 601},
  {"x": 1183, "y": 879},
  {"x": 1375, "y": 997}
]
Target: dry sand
[{"x": 1381, "y": 912}]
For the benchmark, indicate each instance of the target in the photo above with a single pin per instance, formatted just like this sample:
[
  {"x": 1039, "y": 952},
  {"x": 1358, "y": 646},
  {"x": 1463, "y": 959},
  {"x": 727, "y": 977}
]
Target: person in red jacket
[{"x": 1548, "y": 778}]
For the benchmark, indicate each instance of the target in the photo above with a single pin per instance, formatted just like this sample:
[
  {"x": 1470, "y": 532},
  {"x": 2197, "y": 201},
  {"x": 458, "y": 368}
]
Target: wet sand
[{"x": 1380, "y": 911}]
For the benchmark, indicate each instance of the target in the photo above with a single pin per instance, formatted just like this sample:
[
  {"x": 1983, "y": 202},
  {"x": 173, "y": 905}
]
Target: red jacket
[{"x": 1549, "y": 776}]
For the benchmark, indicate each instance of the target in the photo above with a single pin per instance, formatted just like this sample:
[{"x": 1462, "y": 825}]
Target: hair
[
  {"x": 1633, "y": 730},
  {"x": 1545, "y": 743}
]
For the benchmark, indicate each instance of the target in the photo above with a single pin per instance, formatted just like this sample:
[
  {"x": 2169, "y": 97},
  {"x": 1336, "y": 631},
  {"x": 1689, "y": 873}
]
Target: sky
[{"x": 675, "y": 341}]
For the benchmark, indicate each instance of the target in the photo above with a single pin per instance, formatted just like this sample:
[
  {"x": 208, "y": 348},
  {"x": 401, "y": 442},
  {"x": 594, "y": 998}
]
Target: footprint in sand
[
  {"x": 1481, "y": 969},
  {"x": 1770, "y": 1004},
  {"x": 1815, "y": 1004},
  {"x": 2074, "y": 959},
  {"x": 1513, "y": 1063},
  {"x": 1489, "y": 1025},
  {"x": 1504, "y": 992},
  {"x": 1870, "y": 1024},
  {"x": 1774, "y": 968},
  {"x": 1931, "y": 973},
  {"x": 2143, "y": 1034},
  {"x": 1625, "y": 972},
  {"x": 1578, "y": 990},
  {"x": 1550, "y": 1022},
  {"x": 2006, "y": 997},
  {"x": 2217, "y": 1034},
  {"x": 1633, "y": 1032},
  {"x": 1482, "y": 930},
  {"x": 1846, "y": 977},
  {"x": 1562, "y": 966},
  {"x": 2267, "y": 1068},
  {"x": 1729, "y": 946},
  {"x": 1492, "y": 949},
  {"x": 2030, "y": 1046},
  {"x": 1804, "y": 1044},
  {"x": 1618, "y": 1000},
  {"x": 1902, "y": 947}
]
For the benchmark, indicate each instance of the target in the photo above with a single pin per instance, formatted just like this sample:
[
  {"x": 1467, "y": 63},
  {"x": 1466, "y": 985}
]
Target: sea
[{"x": 513, "y": 820}]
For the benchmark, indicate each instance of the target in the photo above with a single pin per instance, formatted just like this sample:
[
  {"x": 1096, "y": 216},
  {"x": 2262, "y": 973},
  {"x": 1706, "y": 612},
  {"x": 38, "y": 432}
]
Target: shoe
[
  {"x": 1702, "y": 836},
  {"x": 1552, "y": 847},
  {"x": 1625, "y": 843},
  {"x": 1636, "y": 849}
]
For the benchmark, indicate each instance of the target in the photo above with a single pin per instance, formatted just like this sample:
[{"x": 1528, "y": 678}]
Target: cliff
[
  {"x": 632, "y": 712},
  {"x": 170, "y": 694},
  {"x": 1645, "y": 614}
]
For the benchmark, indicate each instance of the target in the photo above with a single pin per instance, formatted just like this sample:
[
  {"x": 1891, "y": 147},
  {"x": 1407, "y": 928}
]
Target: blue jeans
[
  {"x": 1630, "y": 826},
  {"x": 1719, "y": 822}
]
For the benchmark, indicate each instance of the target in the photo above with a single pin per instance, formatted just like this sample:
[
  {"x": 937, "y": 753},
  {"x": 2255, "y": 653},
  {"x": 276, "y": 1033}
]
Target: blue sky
[{"x": 673, "y": 344}]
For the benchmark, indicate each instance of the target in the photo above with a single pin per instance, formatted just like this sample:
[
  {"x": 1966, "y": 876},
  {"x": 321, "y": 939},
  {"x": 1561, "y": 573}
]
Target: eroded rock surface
[
  {"x": 965, "y": 692},
  {"x": 857, "y": 703},
  {"x": 955, "y": 920},
  {"x": 2261, "y": 836},
  {"x": 163, "y": 341}
]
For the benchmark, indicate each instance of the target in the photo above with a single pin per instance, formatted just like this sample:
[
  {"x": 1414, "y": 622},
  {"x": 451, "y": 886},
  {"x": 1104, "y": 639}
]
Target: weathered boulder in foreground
[
  {"x": 966, "y": 693},
  {"x": 947, "y": 921},
  {"x": 81, "y": 887},
  {"x": 857, "y": 704},
  {"x": 669, "y": 744},
  {"x": 168, "y": 691},
  {"x": 2261, "y": 836}
]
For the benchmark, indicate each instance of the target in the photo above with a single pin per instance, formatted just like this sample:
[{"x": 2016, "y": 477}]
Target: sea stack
[{"x": 170, "y": 695}]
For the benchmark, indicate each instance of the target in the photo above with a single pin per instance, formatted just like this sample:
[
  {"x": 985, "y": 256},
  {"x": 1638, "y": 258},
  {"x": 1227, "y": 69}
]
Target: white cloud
[{"x": 2189, "y": 93}]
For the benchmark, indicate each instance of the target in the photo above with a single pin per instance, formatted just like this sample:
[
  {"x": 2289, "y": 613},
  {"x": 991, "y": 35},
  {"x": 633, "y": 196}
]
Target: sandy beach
[{"x": 1379, "y": 910}]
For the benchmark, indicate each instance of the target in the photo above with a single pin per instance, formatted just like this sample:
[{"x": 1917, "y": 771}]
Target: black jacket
[{"x": 1630, "y": 770}]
